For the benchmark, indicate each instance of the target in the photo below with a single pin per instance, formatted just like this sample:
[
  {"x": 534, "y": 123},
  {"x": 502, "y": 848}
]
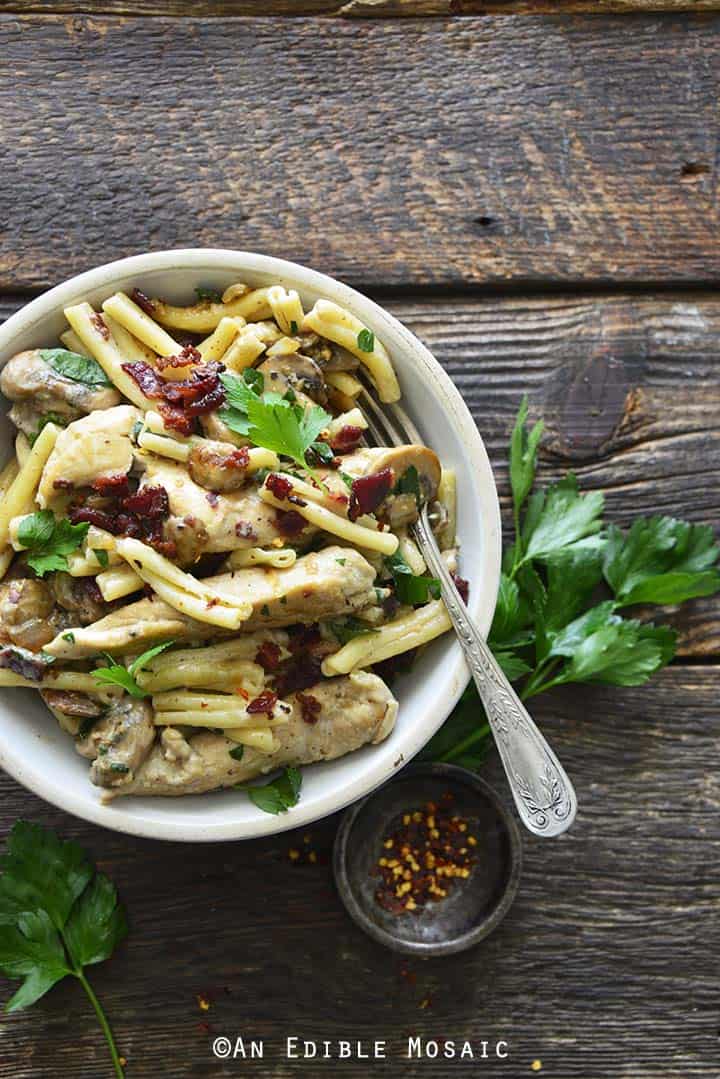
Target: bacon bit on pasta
[
  {"x": 280, "y": 486},
  {"x": 346, "y": 439},
  {"x": 183, "y": 399},
  {"x": 289, "y": 522},
  {"x": 100, "y": 325},
  {"x": 462, "y": 586},
  {"x": 140, "y": 514},
  {"x": 268, "y": 656},
  {"x": 144, "y": 302},
  {"x": 264, "y": 703},
  {"x": 368, "y": 492}
]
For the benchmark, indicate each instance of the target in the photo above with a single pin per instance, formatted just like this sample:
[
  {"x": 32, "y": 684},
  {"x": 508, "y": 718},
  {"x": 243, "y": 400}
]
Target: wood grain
[
  {"x": 576, "y": 152},
  {"x": 628, "y": 387},
  {"x": 605, "y": 968},
  {"x": 356, "y": 8}
]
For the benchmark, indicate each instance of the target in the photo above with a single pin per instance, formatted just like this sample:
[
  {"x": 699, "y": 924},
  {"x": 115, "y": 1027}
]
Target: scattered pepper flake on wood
[
  {"x": 203, "y": 1004},
  {"x": 430, "y": 848},
  {"x": 536, "y": 1066}
]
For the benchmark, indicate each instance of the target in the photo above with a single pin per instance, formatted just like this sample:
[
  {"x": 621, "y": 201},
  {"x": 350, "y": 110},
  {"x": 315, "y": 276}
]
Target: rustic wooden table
[{"x": 537, "y": 199}]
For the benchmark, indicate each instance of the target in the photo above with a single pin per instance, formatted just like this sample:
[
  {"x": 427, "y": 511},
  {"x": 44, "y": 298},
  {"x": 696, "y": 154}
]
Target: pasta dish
[{"x": 206, "y": 565}]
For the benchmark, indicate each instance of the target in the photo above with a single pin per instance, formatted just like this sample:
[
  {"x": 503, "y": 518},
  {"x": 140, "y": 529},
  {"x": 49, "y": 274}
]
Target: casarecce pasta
[{"x": 207, "y": 571}]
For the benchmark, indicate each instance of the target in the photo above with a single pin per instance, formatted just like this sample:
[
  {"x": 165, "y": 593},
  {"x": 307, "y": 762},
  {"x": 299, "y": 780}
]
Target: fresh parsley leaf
[
  {"x": 50, "y": 417},
  {"x": 57, "y": 916},
  {"x": 366, "y": 340},
  {"x": 237, "y": 752},
  {"x": 287, "y": 429},
  {"x": 280, "y": 794},
  {"x": 102, "y": 557},
  {"x": 661, "y": 560},
  {"x": 411, "y": 589},
  {"x": 48, "y": 541},
  {"x": 348, "y": 628},
  {"x": 75, "y": 367},
  {"x": 323, "y": 452},
  {"x": 254, "y": 379},
  {"x": 409, "y": 484},
  {"x": 115, "y": 674},
  {"x": 623, "y": 652},
  {"x": 523, "y": 455},
  {"x": 558, "y": 517},
  {"x": 211, "y": 295}
]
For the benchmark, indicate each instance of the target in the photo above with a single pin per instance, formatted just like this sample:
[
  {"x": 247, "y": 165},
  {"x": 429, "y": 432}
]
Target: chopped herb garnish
[
  {"x": 341, "y": 561},
  {"x": 69, "y": 637},
  {"x": 48, "y": 541},
  {"x": 237, "y": 752},
  {"x": 49, "y": 417},
  {"x": 75, "y": 367},
  {"x": 210, "y": 295},
  {"x": 293, "y": 326},
  {"x": 411, "y": 589},
  {"x": 349, "y": 628},
  {"x": 347, "y": 479},
  {"x": 265, "y": 610},
  {"x": 117, "y": 675},
  {"x": 102, "y": 557},
  {"x": 366, "y": 340},
  {"x": 280, "y": 794},
  {"x": 409, "y": 484}
]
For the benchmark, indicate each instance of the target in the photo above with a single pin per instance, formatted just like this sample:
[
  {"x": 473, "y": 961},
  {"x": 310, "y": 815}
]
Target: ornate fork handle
[{"x": 543, "y": 794}]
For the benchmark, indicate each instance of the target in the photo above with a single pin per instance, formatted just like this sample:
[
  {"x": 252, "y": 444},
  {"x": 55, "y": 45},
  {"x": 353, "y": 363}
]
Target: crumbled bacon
[
  {"x": 139, "y": 514},
  {"x": 310, "y": 707},
  {"x": 346, "y": 439},
  {"x": 368, "y": 492},
  {"x": 299, "y": 672},
  {"x": 268, "y": 656},
  {"x": 182, "y": 399},
  {"x": 99, "y": 323},
  {"x": 280, "y": 486},
  {"x": 264, "y": 703},
  {"x": 144, "y": 302},
  {"x": 462, "y": 586},
  {"x": 289, "y": 522},
  {"x": 117, "y": 485},
  {"x": 186, "y": 357}
]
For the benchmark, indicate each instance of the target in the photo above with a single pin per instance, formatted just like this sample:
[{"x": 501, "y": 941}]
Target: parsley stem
[
  {"x": 459, "y": 749},
  {"x": 103, "y": 1023}
]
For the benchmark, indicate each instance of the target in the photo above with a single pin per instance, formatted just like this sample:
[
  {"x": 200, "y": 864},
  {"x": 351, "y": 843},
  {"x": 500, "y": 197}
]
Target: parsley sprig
[
  {"x": 565, "y": 581},
  {"x": 277, "y": 423},
  {"x": 48, "y": 541},
  {"x": 115, "y": 674},
  {"x": 279, "y": 795},
  {"x": 57, "y": 917}
]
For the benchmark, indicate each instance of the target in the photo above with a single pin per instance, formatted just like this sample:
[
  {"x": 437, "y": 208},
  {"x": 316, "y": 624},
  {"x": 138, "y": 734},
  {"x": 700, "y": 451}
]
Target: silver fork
[{"x": 544, "y": 796}]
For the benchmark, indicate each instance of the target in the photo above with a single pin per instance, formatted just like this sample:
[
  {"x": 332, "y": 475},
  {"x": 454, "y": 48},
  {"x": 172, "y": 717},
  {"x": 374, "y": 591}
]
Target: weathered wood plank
[
  {"x": 356, "y": 8},
  {"x": 628, "y": 387},
  {"x": 614, "y": 934},
  {"x": 577, "y": 151}
]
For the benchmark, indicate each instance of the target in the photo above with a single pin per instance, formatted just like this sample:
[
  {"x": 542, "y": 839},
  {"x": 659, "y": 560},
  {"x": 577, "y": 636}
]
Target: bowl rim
[
  {"x": 482, "y": 602},
  {"x": 451, "y": 773}
]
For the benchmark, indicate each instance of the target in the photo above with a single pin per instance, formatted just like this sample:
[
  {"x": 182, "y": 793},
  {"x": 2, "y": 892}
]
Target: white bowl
[{"x": 39, "y": 755}]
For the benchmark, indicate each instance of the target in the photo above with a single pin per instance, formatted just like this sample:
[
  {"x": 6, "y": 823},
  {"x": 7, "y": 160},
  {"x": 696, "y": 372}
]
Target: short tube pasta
[
  {"x": 204, "y": 317},
  {"x": 409, "y": 631},
  {"x": 20, "y": 494},
  {"x": 325, "y": 519},
  {"x": 97, "y": 339},
  {"x": 339, "y": 325},
  {"x": 140, "y": 325}
]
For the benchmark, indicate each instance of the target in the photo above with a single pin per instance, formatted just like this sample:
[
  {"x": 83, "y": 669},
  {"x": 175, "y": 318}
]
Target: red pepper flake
[
  {"x": 279, "y": 486},
  {"x": 264, "y": 703},
  {"x": 425, "y": 851},
  {"x": 368, "y": 492},
  {"x": 268, "y": 656},
  {"x": 242, "y": 693},
  {"x": 144, "y": 302},
  {"x": 310, "y": 708},
  {"x": 99, "y": 323}
]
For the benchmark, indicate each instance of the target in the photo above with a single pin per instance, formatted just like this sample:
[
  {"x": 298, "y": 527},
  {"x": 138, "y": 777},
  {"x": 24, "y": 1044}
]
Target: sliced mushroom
[
  {"x": 27, "y": 377},
  {"x": 25, "y": 609},
  {"x": 328, "y": 355},
  {"x": 119, "y": 742},
  {"x": 293, "y": 371},
  {"x": 79, "y": 595}
]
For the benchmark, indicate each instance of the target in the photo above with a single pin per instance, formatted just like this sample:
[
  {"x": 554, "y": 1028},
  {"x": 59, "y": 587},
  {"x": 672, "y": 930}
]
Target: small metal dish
[{"x": 474, "y": 906}]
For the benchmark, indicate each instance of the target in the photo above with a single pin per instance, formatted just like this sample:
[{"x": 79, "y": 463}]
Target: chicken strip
[
  {"x": 27, "y": 379},
  {"x": 324, "y": 584},
  {"x": 119, "y": 742},
  {"x": 203, "y": 521},
  {"x": 348, "y": 712},
  {"x": 96, "y": 447}
]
